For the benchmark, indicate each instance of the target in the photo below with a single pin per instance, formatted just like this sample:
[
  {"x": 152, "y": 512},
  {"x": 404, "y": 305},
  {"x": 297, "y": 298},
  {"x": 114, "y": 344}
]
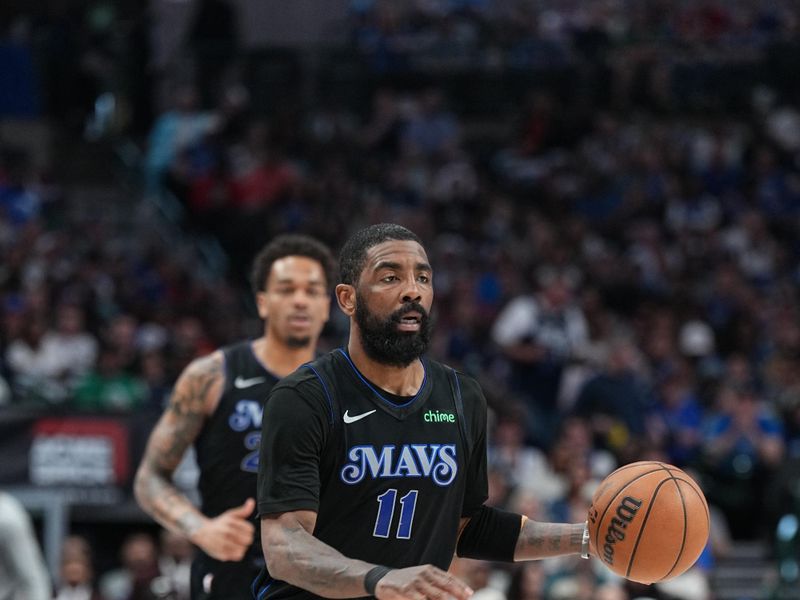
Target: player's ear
[
  {"x": 346, "y": 297},
  {"x": 261, "y": 304}
]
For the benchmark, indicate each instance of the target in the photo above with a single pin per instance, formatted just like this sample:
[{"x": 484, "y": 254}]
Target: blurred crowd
[
  {"x": 622, "y": 278},
  {"x": 487, "y": 34},
  {"x": 94, "y": 309}
]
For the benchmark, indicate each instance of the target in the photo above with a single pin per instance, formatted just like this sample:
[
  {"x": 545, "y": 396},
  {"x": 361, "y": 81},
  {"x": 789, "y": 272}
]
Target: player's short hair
[
  {"x": 291, "y": 245},
  {"x": 353, "y": 256}
]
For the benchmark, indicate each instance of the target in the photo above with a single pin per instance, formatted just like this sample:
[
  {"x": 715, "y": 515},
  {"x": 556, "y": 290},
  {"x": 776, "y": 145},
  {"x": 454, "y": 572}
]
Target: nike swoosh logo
[
  {"x": 348, "y": 419},
  {"x": 241, "y": 383}
]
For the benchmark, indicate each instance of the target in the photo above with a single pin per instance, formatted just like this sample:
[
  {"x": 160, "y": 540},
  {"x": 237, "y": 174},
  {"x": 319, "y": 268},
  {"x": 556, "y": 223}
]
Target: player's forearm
[
  {"x": 159, "y": 498},
  {"x": 297, "y": 557},
  {"x": 542, "y": 540}
]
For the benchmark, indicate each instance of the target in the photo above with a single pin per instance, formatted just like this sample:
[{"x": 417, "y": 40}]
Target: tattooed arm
[
  {"x": 297, "y": 557},
  {"x": 542, "y": 540},
  {"x": 495, "y": 537},
  {"x": 195, "y": 396}
]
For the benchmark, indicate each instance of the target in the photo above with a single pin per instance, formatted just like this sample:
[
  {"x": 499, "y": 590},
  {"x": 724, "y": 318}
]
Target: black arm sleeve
[{"x": 491, "y": 534}]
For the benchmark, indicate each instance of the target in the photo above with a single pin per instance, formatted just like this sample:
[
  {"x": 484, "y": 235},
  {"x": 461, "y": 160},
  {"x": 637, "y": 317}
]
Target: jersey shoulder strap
[
  {"x": 458, "y": 402},
  {"x": 320, "y": 369}
]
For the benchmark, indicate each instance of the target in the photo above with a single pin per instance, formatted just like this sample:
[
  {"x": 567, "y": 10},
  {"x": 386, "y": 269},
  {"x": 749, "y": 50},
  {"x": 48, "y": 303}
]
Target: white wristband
[{"x": 585, "y": 541}]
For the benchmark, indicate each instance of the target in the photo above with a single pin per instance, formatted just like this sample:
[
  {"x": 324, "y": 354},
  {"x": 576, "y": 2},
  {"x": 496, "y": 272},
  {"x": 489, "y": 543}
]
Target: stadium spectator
[
  {"x": 616, "y": 401},
  {"x": 73, "y": 348},
  {"x": 431, "y": 129},
  {"x": 175, "y": 564},
  {"x": 521, "y": 465},
  {"x": 77, "y": 577},
  {"x": 110, "y": 387},
  {"x": 173, "y": 131},
  {"x": 676, "y": 421},
  {"x": 742, "y": 447},
  {"x": 527, "y": 582},
  {"x": 540, "y": 334},
  {"x": 133, "y": 579},
  {"x": 32, "y": 366}
]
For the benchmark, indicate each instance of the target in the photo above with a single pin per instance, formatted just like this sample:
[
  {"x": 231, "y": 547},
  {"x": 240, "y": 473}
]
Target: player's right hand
[
  {"x": 229, "y": 535},
  {"x": 421, "y": 583}
]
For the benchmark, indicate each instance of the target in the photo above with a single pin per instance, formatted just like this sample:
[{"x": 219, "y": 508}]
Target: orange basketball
[{"x": 648, "y": 521}]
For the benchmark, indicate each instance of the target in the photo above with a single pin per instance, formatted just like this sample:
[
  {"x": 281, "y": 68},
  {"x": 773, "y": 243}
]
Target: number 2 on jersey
[
  {"x": 386, "y": 512},
  {"x": 250, "y": 461}
]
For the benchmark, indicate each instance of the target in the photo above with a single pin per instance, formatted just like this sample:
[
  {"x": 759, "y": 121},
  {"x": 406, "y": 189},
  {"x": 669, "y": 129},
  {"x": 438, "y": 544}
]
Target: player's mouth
[
  {"x": 299, "y": 320},
  {"x": 411, "y": 321}
]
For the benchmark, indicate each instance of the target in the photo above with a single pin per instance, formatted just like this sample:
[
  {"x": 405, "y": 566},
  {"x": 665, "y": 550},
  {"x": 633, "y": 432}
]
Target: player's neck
[
  {"x": 279, "y": 358},
  {"x": 401, "y": 381}
]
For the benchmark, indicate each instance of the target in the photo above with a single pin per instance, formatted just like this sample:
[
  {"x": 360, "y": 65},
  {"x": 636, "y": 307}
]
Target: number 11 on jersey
[{"x": 386, "y": 503}]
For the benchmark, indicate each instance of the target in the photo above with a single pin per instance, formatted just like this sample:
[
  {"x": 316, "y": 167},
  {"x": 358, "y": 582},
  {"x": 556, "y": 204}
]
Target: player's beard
[
  {"x": 383, "y": 342},
  {"x": 295, "y": 342}
]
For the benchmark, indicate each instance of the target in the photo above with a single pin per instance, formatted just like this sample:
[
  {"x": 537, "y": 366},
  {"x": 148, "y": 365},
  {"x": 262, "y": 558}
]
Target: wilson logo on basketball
[{"x": 626, "y": 511}]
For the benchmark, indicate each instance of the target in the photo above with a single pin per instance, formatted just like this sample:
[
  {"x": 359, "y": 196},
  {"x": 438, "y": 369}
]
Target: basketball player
[
  {"x": 217, "y": 406},
  {"x": 373, "y": 458}
]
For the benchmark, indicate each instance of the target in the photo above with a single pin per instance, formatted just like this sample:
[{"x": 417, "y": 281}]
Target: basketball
[{"x": 648, "y": 521}]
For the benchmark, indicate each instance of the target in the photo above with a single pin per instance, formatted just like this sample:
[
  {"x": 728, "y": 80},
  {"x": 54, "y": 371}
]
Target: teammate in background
[
  {"x": 373, "y": 458},
  {"x": 217, "y": 406}
]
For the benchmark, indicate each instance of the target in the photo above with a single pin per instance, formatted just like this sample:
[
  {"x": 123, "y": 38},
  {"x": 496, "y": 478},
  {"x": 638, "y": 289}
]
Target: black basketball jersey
[
  {"x": 389, "y": 482},
  {"x": 228, "y": 448}
]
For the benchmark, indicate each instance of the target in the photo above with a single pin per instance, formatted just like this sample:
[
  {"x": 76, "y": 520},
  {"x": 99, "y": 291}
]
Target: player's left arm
[
  {"x": 498, "y": 535},
  {"x": 542, "y": 540},
  {"x": 493, "y": 534}
]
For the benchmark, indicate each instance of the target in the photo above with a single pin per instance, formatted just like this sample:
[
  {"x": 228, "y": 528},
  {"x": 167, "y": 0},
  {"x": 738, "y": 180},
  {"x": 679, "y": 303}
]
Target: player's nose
[
  {"x": 411, "y": 290},
  {"x": 300, "y": 298}
]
